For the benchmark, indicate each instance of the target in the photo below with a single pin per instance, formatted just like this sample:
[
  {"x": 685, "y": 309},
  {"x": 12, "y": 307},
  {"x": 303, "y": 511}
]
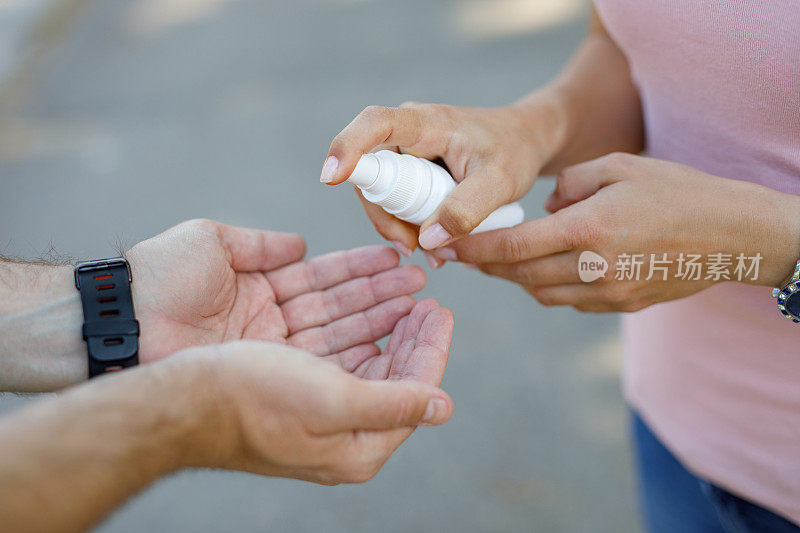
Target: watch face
[{"x": 790, "y": 299}]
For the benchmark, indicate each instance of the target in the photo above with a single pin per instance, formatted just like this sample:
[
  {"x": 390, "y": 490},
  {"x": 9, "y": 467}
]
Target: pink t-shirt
[{"x": 717, "y": 375}]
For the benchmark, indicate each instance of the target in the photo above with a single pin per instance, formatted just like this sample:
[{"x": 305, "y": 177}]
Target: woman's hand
[
  {"x": 591, "y": 109},
  {"x": 494, "y": 154},
  {"x": 621, "y": 205},
  {"x": 277, "y": 411}
]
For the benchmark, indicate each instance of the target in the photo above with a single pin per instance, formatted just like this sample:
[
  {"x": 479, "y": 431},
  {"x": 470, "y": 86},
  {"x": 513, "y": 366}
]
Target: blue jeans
[{"x": 675, "y": 501}]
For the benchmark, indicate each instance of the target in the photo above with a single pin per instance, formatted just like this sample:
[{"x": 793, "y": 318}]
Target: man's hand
[
  {"x": 253, "y": 406},
  {"x": 280, "y": 412},
  {"x": 203, "y": 282}
]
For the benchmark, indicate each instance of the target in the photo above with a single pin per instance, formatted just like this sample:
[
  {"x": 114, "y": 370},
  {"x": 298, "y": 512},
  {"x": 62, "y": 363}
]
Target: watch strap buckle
[{"x": 101, "y": 264}]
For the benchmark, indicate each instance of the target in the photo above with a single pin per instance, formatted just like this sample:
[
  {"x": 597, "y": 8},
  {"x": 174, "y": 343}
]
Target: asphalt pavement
[{"x": 140, "y": 114}]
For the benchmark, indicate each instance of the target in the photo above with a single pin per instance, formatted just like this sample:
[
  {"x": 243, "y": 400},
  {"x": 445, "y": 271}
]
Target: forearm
[
  {"x": 41, "y": 348},
  {"x": 68, "y": 461},
  {"x": 593, "y": 106}
]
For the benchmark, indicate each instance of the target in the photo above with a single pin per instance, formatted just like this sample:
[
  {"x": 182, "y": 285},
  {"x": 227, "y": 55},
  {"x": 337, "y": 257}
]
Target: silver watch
[{"x": 789, "y": 296}]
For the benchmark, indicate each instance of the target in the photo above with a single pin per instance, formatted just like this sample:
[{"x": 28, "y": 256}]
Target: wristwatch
[
  {"x": 110, "y": 328},
  {"x": 789, "y": 296}
]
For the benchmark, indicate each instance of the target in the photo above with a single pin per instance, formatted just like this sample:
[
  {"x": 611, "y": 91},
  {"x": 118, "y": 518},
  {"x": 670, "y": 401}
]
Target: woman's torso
[{"x": 717, "y": 375}]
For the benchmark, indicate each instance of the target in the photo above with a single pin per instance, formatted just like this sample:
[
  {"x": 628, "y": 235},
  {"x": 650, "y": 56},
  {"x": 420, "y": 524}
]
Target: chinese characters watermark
[{"x": 690, "y": 267}]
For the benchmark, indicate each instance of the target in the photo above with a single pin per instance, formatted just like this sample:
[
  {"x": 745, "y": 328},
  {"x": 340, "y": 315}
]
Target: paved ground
[{"x": 149, "y": 112}]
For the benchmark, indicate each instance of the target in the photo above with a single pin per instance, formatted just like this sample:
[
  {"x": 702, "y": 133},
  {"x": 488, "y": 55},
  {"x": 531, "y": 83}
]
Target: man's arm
[
  {"x": 67, "y": 462},
  {"x": 41, "y": 348},
  {"x": 203, "y": 282}
]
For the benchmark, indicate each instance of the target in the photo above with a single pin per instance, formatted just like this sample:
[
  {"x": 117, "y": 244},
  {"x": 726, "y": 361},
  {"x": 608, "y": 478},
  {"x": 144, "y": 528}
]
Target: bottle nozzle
[{"x": 366, "y": 171}]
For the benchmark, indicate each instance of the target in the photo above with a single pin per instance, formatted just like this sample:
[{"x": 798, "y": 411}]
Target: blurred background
[{"x": 120, "y": 118}]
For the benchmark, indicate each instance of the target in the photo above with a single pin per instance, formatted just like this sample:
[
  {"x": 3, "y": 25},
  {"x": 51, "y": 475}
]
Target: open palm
[
  {"x": 203, "y": 282},
  {"x": 417, "y": 351}
]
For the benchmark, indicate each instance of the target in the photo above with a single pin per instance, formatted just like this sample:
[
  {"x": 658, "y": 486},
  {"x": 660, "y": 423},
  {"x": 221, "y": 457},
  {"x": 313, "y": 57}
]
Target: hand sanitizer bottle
[{"x": 411, "y": 188}]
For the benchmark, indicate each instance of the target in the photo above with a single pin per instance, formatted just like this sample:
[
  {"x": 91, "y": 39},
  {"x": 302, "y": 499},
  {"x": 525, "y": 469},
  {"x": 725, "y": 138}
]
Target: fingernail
[
  {"x": 448, "y": 254},
  {"x": 434, "y": 411},
  {"x": 470, "y": 266},
  {"x": 433, "y": 261},
  {"x": 329, "y": 169},
  {"x": 402, "y": 248},
  {"x": 433, "y": 237}
]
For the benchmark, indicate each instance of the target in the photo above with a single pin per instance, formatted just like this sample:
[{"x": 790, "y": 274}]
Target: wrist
[
  {"x": 543, "y": 115},
  {"x": 758, "y": 221},
  {"x": 172, "y": 412},
  {"x": 141, "y": 300},
  {"x": 190, "y": 382},
  {"x": 781, "y": 238}
]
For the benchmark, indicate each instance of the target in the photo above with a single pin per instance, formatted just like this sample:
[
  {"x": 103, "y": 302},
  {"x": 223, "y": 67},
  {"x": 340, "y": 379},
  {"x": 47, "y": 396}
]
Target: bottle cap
[{"x": 366, "y": 171}]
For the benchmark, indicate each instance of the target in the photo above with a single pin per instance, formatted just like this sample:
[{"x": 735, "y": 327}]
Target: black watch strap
[{"x": 110, "y": 328}]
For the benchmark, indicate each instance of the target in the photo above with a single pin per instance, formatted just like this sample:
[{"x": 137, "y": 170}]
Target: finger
[
  {"x": 535, "y": 238},
  {"x": 254, "y": 249},
  {"x": 416, "y": 318},
  {"x": 352, "y": 358},
  {"x": 428, "y": 343},
  {"x": 359, "y": 328},
  {"x": 375, "y": 125},
  {"x": 556, "y": 269},
  {"x": 323, "y": 307},
  {"x": 431, "y": 340},
  {"x": 391, "y": 228},
  {"x": 398, "y": 333},
  {"x": 395, "y": 404},
  {"x": 480, "y": 193},
  {"x": 388, "y": 419},
  {"x": 331, "y": 269},
  {"x": 581, "y": 181},
  {"x": 585, "y": 297},
  {"x": 378, "y": 367},
  {"x": 433, "y": 261},
  {"x": 400, "y": 345}
]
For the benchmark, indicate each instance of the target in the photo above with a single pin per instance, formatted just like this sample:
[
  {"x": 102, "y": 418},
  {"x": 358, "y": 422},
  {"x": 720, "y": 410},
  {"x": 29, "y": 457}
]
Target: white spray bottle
[{"x": 411, "y": 188}]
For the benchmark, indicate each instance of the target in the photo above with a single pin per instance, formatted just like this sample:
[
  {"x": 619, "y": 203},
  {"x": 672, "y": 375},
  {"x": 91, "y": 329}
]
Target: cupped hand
[
  {"x": 628, "y": 208},
  {"x": 494, "y": 154},
  {"x": 203, "y": 282},
  {"x": 278, "y": 411}
]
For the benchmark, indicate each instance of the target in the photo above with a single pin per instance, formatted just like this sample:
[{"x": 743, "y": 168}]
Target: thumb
[
  {"x": 393, "y": 404},
  {"x": 474, "y": 199}
]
